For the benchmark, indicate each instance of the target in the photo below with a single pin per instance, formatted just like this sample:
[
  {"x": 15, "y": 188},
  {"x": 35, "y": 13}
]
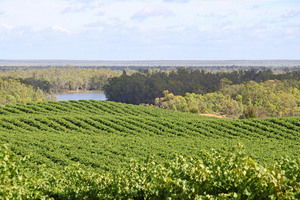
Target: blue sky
[{"x": 150, "y": 29}]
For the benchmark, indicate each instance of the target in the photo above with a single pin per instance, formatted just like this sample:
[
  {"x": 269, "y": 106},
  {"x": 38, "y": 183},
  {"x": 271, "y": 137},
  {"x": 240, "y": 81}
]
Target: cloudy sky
[{"x": 150, "y": 29}]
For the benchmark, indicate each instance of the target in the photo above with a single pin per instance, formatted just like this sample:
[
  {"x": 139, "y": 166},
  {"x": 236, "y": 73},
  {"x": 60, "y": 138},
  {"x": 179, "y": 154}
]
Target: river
[{"x": 80, "y": 95}]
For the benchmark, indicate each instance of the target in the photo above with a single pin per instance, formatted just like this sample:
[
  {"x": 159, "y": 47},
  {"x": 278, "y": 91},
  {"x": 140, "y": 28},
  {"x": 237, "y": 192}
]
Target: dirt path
[{"x": 212, "y": 115}]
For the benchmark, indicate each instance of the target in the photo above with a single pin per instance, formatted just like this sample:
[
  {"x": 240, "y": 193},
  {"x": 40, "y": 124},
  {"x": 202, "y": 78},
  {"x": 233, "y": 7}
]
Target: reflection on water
[{"x": 80, "y": 95}]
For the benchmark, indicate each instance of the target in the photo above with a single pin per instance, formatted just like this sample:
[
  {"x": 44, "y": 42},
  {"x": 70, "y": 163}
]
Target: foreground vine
[{"x": 218, "y": 174}]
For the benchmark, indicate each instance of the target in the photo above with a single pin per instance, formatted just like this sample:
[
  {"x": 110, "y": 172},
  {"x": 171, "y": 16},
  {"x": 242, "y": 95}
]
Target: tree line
[
  {"x": 25, "y": 85},
  {"x": 62, "y": 79},
  {"x": 271, "y": 98},
  {"x": 146, "y": 85}
]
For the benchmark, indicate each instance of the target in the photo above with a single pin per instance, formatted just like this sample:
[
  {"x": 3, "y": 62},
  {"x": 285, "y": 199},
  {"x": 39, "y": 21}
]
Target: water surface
[{"x": 80, "y": 95}]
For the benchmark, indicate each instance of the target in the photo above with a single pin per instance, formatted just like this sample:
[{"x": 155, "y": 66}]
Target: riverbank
[{"x": 79, "y": 91}]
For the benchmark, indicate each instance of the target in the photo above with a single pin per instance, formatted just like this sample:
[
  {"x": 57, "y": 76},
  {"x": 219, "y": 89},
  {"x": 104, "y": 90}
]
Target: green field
[
  {"x": 84, "y": 150},
  {"x": 106, "y": 135}
]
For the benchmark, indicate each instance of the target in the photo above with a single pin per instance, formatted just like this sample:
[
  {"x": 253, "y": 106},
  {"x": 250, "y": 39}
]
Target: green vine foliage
[
  {"x": 218, "y": 174},
  {"x": 15, "y": 181}
]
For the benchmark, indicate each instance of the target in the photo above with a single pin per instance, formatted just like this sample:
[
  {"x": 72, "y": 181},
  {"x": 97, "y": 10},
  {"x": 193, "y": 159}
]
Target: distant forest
[
  {"x": 59, "y": 79},
  {"x": 62, "y": 79},
  {"x": 236, "y": 93},
  {"x": 145, "y": 85}
]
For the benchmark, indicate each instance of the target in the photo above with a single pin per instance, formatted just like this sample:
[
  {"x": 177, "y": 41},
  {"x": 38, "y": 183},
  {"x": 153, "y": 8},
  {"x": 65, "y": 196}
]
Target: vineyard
[
  {"x": 106, "y": 135},
  {"x": 84, "y": 150}
]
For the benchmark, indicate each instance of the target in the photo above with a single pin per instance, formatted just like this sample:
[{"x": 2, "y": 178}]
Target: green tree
[{"x": 13, "y": 92}]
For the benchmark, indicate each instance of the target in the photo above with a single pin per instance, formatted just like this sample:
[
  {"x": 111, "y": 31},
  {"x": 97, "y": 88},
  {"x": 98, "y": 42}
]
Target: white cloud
[
  {"x": 60, "y": 29},
  {"x": 152, "y": 11},
  {"x": 82, "y": 6},
  {"x": 100, "y": 29},
  {"x": 177, "y": 1},
  {"x": 221, "y": 15},
  {"x": 94, "y": 24},
  {"x": 6, "y": 26},
  {"x": 150, "y": 29},
  {"x": 36, "y": 29},
  {"x": 291, "y": 14}
]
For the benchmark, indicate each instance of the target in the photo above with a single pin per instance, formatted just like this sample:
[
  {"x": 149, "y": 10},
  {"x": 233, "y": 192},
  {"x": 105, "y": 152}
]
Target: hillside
[{"x": 106, "y": 135}]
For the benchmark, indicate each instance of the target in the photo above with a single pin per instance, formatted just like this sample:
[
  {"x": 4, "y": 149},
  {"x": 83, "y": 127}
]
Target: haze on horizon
[{"x": 150, "y": 29}]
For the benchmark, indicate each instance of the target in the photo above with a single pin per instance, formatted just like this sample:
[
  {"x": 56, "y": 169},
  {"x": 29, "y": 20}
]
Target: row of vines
[
  {"x": 217, "y": 174},
  {"x": 106, "y": 135},
  {"x": 84, "y": 150}
]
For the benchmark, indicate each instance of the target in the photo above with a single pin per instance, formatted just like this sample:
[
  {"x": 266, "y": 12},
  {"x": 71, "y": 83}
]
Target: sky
[{"x": 150, "y": 29}]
